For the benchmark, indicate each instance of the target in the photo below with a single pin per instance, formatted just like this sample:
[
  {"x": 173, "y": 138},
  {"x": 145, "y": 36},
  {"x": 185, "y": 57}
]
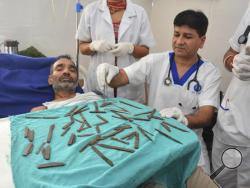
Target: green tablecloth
[{"x": 161, "y": 160}]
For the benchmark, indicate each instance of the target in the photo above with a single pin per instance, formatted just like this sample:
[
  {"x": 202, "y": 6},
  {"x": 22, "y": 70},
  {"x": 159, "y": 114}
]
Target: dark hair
[
  {"x": 65, "y": 56},
  {"x": 194, "y": 19}
]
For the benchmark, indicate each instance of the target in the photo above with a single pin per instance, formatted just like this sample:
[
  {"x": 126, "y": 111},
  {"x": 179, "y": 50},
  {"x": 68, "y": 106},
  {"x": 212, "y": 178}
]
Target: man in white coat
[
  {"x": 181, "y": 84},
  {"x": 118, "y": 32},
  {"x": 233, "y": 128},
  {"x": 63, "y": 77}
]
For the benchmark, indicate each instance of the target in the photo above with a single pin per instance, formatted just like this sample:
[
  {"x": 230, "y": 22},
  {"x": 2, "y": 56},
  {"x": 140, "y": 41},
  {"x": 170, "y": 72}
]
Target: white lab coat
[
  {"x": 154, "y": 68},
  {"x": 233, "y": 118},
  {"x": 96, "y": 24},
  {"x": 232, "y": 128}
]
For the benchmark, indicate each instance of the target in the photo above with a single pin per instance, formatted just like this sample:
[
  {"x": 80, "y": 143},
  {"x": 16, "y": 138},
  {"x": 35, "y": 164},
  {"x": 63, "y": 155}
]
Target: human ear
[
  {"x": 50, "y": 79},
  {"x": 203, "y": 39}
]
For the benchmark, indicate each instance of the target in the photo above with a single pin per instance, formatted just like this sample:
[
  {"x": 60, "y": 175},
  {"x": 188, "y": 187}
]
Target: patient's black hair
[
  {"x": 65, "y": 56},
  {"x": 194, "y": 19}
]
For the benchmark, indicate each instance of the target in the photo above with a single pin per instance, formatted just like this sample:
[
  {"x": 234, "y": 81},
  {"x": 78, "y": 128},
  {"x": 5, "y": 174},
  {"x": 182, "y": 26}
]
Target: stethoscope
[
  {"x": 243, "y": 38},
  {"x": 197, "y": 86}
]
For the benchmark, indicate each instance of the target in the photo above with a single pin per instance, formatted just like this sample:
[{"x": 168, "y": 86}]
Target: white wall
[{"x": 50, "y": 25}]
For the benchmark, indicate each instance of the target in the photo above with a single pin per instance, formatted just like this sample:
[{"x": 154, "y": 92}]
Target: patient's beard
[{"x": 66, "y": 87}]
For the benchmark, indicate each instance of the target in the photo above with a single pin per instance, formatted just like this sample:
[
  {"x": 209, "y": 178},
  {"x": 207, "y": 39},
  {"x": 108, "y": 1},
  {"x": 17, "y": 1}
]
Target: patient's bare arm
[
  {"x": 38, "y": 108},
  {"x": 119, "y": 80}
]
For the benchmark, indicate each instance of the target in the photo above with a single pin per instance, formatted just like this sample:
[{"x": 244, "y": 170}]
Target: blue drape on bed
[{"x": 23, "y": 83}]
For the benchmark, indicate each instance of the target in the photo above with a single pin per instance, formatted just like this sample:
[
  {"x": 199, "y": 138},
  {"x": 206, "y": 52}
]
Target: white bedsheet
[{"x": 5, "y": 148}]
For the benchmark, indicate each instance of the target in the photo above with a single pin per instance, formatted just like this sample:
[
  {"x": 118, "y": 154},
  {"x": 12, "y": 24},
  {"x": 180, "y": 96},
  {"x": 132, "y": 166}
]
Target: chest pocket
[
  {"x": 188, "y": 100},
  {"x": 176, "y": 95}
]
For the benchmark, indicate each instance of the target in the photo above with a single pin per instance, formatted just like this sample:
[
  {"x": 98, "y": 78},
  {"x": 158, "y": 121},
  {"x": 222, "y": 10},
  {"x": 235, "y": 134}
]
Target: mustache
[
  {"x": 66, "y": 79},
  {"x": 181, "y": 47}
]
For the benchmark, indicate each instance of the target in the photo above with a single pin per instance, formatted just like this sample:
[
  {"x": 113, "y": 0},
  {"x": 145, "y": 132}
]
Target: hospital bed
[
  {"x": 160, "y": 160},
  {"x": 23, "y": 83}
]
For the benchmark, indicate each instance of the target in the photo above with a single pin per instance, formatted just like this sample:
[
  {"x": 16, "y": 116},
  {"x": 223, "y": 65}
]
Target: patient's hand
[{"x": 38, "y": 108}]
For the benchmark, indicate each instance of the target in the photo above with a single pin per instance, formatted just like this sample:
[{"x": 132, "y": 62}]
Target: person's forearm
[
  {"x": 84, "y": 48},
  {"x": 204, "y": 117},
  {"x": 38, "y": 108},
  {"x": 228, "y": 59},
  {"x": 119, "y": 80},
  {"x": 140, "y": 51}
]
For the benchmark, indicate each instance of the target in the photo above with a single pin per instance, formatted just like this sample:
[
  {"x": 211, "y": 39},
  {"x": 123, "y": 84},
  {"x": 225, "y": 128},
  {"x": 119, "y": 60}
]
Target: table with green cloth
[{"x": 109, "y": 143}]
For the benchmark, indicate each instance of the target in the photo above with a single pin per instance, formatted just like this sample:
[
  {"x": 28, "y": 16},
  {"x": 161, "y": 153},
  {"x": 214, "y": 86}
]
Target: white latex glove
[
  {"x": 241, "y": 66},
  {"x": 105, "y": 72},
  {"x": 122, "y": 48},
  {"x": 100, "y": 46},
  {"x": 176, "y": 113}
]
